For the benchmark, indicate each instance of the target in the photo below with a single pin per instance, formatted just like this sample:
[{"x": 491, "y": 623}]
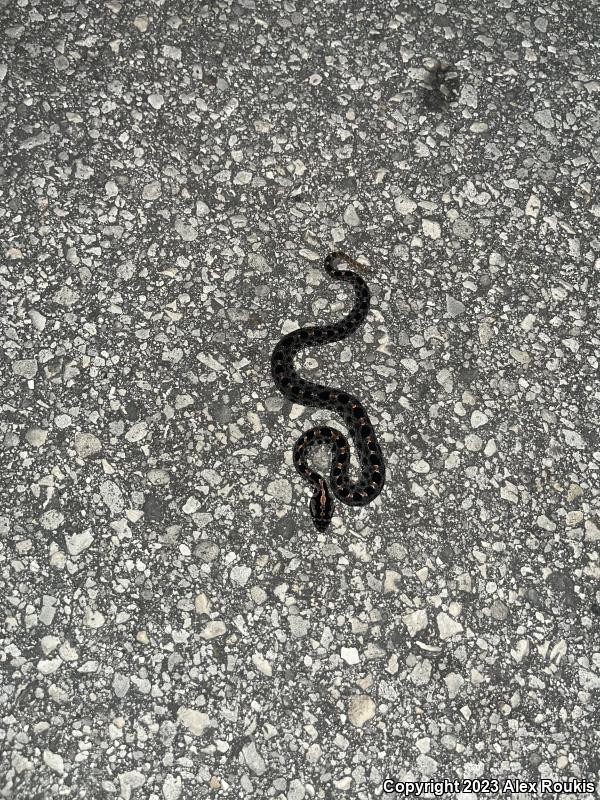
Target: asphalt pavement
[{"x": 172, "y": 176}]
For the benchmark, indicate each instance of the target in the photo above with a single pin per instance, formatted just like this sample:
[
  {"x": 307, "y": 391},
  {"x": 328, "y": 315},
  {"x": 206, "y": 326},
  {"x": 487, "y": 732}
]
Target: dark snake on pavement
[{"x": 349, "y": 407}]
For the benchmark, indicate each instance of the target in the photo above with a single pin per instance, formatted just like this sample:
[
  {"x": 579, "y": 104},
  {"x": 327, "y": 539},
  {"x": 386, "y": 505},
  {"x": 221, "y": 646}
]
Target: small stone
[
  {"x": 532, "y": 209},
  {"x": 242, "y": 178},
  {"x": 191, "y": 505},
  {"x": 404, "y": 205},
  {"x": 478, "y": 419},
  {"x": 431, "y": 228},
  {"x": 462, "y": 229},
  {"x": 546, "y": 524},
  {"x": 468, "y": 96},
  {"x": 206, "y": 551},
  {"x": 36, "y": 437},
  {"x": 78, "y": 542},
  {"x": 574, "y": 439},
  {"x": 350, "y": 655},
  {"x": 54, "y": 761},
  {"x": 52, "y": 520},
  {"x": 521, "y": 650},
  {"x": 589, "y": 680},
  {"x": 67, "y": 652},
  {"x": 171, "y": 787},
  {"x": 361, "y": 709},
  {"x": 444, "y": 378},
  {"x": 473, "y": 443},
  {"x": 454, "y": 307},
  {"x": 296, "y": 791},
  {"x": 187, "y": 232},
  {"x": 93, "y": 619},
  {"x": 26, "y": 368},
  {"x": 48, "y": 666},
  {"x": 156, "y": 100},
  {"x": 112, "y": 496},
  {"x": 159, "y": 477},
  {"x": 447, "y": 626},
  {"x": 213, "y": 629},
  {"x": 196, "y": 722},
  {"x": 111, "y": 189},
  {"x": 421, "y": 673},
  {"x": 416, "y": 621},
  {"x": 66, "y": 297},
  {"x": 298, "y": 626},
  {"x": 171, "y": 52},
  {"x": 120, "y": 684},
  {"x": 137, "y": 432},
  {"x": 86, "y": 444},
  {"x": 48, "y": 644},
  {"x": 351, "y": 217},
  {"x": 141, "y": 23},
  {"x": 453, "y": 682},
  {"x": 544, "y": 118},
  {"x": 391, "y": 581},
  {"x": 130, "y": 780},
  {"x": 490, "y": 448},
  {"x": 253, "y": 758},
  {"x": 258, "y": 595},
  {"x": 498, "y": 610},
  {"x": 262, "y": 665},
  {"x": 37, "y": 320},
  {"x": 509, "y": 492},
  {"x": 152, "y": 190},
  {"x": 240, "y": 574},
  {"x": 201, "y": 604},
  {"x": 281, "y": 489},
  {"x": 20, "y": 763},
  {"x": 427, "y": 766},
  {"x": 592, "y": 531}
]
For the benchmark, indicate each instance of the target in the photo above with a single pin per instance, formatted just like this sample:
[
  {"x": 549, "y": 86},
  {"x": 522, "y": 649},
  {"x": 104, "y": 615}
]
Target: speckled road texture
[{"x": 173, "y": 174}]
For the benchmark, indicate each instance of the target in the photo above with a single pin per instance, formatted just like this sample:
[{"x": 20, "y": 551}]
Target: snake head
[
  {"x": 352, "y": 262},
  {"x": 321, "y": 506}
]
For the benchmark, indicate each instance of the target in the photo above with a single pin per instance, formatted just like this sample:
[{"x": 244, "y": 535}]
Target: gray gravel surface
[{"x": 173, "y": 174}]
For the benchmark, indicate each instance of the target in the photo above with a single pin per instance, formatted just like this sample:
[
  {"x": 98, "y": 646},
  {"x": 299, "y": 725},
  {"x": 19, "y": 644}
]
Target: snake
[{"x": 371, "y": 477}]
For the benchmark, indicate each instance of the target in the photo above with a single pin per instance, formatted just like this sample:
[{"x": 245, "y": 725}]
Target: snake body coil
[{"x": 298, "y": 390}]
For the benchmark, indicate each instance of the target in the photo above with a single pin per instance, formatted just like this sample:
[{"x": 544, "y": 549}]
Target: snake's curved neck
[{"x": 325, "y": 334}]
